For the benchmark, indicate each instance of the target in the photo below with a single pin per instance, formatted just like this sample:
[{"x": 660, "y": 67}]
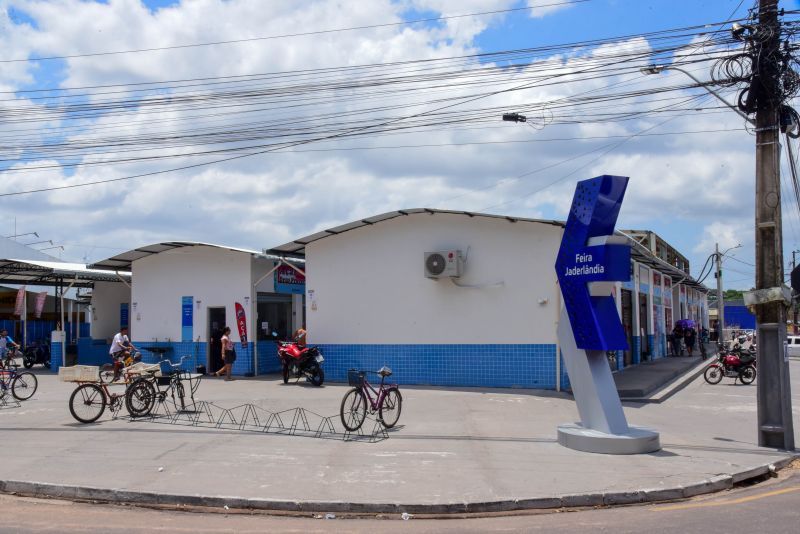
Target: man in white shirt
[{"x": 120, "y": 348}]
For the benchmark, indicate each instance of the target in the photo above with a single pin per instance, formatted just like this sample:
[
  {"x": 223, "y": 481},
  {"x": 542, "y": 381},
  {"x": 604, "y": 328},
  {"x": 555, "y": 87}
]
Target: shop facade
[
  {"x": 369, "y": 302},
  {"x": 183, "y": 294}
]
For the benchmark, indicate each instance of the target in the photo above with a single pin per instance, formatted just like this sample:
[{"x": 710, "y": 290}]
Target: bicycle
[
  {"x": 9, "y": 359},
  {"x": 142, "y": 395},
  {"x": 22, "y": 385},
  {"x": 111, "y": 372},
  {"x": 386, "y": 400},
  {"x": 89, "y": 400}
]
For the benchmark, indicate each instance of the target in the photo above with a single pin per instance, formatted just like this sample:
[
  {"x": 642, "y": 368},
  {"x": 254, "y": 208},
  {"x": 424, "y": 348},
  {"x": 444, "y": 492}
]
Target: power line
[{"x": 300, "y": 34}]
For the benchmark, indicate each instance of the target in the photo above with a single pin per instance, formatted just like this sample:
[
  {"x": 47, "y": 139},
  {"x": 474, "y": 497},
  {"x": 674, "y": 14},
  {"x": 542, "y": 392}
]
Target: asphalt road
[{"x": 772, "y": 506}]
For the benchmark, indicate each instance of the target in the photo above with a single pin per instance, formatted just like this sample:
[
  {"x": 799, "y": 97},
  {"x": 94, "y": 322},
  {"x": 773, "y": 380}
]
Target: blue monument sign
[{"x": 590, "y": 259}]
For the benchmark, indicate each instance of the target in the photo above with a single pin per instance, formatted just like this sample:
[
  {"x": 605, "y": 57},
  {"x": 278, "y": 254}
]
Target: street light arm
[{"x": 655, "y": 69}]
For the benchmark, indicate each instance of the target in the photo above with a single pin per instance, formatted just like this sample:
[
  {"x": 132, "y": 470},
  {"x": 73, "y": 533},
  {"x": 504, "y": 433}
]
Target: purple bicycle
[{"x": 386, "y": 400}]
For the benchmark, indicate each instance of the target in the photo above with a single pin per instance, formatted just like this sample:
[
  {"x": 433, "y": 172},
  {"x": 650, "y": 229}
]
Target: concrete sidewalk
[
  {"x": 645, "y": 379},
  {"x": 453, "y": 451}
]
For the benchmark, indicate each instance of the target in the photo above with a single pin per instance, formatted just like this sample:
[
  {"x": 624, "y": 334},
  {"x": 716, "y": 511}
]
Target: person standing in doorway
[{"x": 228, "y": 354}]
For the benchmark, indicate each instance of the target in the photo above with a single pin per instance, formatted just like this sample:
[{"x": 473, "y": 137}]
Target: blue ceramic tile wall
[
  {"x": 55, "y": 357},
  {"x": 636, "y": 352},
  {"x": 527, "y": 366},
  {"x": 268, "y": 361},
  {"x": 651, "y": 342},
  {"x": 93, "y": 351}
]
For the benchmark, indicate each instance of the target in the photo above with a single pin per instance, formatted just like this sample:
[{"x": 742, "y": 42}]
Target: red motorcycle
[
  {"x": 299, "y": 362},
  {"x": 736, "y": 363}
]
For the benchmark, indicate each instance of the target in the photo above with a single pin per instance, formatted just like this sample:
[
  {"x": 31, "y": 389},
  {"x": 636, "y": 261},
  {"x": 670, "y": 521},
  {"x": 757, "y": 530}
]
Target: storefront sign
[
  {"x": 187, "y": 318},
  {"x": 289, "y": 280},
  {"x": 41, "y": 298},
  {"x": 19, "y": 309},
  {"x": 595, "y": 207}
]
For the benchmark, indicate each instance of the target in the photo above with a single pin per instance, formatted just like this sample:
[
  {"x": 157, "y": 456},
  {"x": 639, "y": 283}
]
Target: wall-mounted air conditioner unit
[{"x": 444, "y": 264}]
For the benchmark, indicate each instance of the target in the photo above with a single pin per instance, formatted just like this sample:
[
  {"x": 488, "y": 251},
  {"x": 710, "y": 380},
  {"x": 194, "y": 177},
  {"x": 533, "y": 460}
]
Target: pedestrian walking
[
  {"x": 689, "y": 337},
  {"x": 676, "y": 339},
  {"x": 228, "y": 354}
]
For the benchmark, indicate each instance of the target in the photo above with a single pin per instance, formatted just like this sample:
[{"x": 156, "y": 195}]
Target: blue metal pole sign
[
  {"x": 591, "y": 257},
  {"x": 124, "y": 316},
  {"x": 594, "y": 319},
  {"x": 187, "y": 318}
]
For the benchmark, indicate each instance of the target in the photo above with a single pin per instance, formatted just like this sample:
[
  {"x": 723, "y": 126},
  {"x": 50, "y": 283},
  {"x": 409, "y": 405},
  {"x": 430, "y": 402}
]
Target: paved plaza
[{"x": 451, "y": 447}]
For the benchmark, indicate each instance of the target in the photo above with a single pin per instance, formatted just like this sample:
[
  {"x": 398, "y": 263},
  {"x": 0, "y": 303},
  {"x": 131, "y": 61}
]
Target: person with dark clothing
[
  {"x": 689, "y": 337},
  {"x": 677, "y": 336}
]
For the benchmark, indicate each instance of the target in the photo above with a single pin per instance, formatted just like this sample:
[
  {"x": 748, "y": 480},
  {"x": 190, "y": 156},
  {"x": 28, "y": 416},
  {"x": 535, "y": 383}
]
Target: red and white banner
[
  {"x": 241, "y": 322},
  {"x": 20, "y": 307},
  {"x": 40, "y": 300}
]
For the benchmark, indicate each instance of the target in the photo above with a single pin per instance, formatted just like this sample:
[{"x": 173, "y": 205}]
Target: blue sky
[{"x": 692, "y": 190}]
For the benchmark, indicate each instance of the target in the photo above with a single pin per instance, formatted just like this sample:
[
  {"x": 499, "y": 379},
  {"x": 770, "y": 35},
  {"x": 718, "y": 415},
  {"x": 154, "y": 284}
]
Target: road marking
[{"x": 726, "y": 503}]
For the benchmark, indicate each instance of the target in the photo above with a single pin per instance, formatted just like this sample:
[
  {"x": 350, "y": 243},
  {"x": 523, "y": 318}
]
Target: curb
[
  {"x": 673, "y": 386},
  {"x": 141, "y": 498}
]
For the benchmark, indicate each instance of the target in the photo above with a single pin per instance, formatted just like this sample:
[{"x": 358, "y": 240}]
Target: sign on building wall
[
  {"x": 289, "y": 280},
  {"x": 124, "y": 315},
  {"x": 187, "y": 318}
]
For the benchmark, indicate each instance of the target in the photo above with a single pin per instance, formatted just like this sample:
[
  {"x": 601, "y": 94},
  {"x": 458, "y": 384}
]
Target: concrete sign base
[{"x": 636, "y": 440}]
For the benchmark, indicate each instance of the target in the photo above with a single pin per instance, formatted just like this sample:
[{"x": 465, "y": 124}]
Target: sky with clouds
[{"x": 694, "y": 189}]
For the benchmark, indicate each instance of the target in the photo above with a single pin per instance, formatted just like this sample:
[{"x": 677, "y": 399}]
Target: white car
[{"x": 793, "y": 346}]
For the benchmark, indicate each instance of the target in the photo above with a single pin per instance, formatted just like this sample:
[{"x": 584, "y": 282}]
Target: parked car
[{"x": 793, "y": 346}]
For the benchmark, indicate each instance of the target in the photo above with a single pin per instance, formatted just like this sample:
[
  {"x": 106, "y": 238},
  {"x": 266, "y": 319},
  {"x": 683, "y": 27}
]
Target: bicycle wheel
[
  {"x": 390, "y": 408},
  {"x": 24, "y": 386},
  {"x": 180, "y": 393},
  {"x": 106, "y": 373},
  {"x": 353, "y": 410},
  {"x": 87, "y": 403},
  {"x": 140, "y": 398}
]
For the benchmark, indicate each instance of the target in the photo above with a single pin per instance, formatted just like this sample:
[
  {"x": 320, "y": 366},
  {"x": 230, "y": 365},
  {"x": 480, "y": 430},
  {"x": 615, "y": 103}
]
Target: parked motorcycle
[
  {"x": 299, "y": 362},
  {"x": 36, "y": 353},
  {"x": 733, "y": 363}
]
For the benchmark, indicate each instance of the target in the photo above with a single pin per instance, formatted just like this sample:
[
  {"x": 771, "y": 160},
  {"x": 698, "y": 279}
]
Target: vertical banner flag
[
  {"x": 241, "y": 322},
  {"x": 187, "y": 318},
  {"x": 40, "y": 300},
  {"x": 289, "y": 280},
  {"x": 19, "y": 308}
]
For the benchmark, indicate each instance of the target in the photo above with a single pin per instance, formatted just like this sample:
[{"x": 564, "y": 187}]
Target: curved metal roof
[
  {"x": 122, "y": 262},
  {"x": 53, "y": 273},
  {"x": 298, "y": 246}
]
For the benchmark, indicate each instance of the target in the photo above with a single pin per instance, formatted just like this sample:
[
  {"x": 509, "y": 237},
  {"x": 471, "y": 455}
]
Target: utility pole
[
  {"x": 794, "y": 304},
  {"x": 775, "y": 427},
  {"x": 720, "y": 301}
]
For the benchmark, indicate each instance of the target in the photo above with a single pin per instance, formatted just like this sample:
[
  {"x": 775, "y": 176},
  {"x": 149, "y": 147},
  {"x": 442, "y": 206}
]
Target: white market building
[
  {"x": 182, "y": 295},
  {"x": 369, "y": 303}
]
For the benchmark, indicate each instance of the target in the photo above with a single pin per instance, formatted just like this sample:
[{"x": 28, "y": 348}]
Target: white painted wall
[
  {"x": 212, "y": 276},
  {"x": 106, "y": 300},
  {"x": 369, "y": 284}
]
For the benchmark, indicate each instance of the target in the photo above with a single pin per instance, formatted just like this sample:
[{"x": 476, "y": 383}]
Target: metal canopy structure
[
  {"x": 298, "y": 246},
  {"x": 54, "y": 273},
  {"x": 123, "y": 262}
]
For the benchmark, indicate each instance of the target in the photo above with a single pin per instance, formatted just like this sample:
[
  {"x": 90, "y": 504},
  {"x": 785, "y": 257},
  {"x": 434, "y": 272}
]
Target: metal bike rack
[
  {"x": 8, "y": 401},
  {"x": 254, "y": 418}
]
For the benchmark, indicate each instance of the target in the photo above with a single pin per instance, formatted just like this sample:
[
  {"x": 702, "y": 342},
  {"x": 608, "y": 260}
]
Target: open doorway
[
  {"x": 644, "y": 322},
  {"x": 216, "y": 322},
  {"x": 627, "y": 324},
  {"x": 274, "y": 315}
]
